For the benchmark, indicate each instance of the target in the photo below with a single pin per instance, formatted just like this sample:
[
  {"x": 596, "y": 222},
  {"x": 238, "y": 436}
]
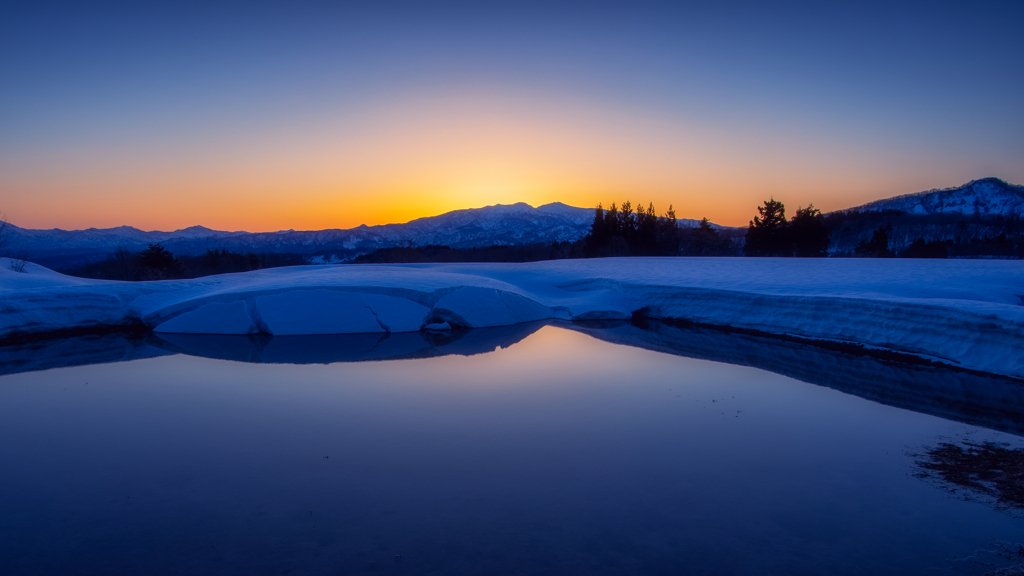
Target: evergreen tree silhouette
[
  {"x": 667, "y": 233},
  {"x": 626, "y": 224},
  {"x": 768, "y": 232},
  {"x": 612, "y": 224},
  {"x": 934, "y": 249},
  {"x": 598, "y": 233},
  {"x": 705, "y": 238},
  {"x": 878, "y": 246},
  {"x": 157, "y": 263},
  {"x": 809, "y": 234},
  {"x": 621, "y": 231}
]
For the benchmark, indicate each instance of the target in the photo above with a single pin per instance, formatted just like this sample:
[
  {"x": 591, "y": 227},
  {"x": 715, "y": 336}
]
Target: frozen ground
[{"x": 965, "y": 312}]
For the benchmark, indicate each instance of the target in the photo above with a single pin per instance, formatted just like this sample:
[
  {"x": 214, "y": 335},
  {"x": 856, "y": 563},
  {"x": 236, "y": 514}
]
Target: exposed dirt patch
[{"x": 987, "y": 472}]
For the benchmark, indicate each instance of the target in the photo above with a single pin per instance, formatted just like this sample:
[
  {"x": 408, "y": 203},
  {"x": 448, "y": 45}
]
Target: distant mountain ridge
[
  {"x": 476, "y": 227},
  {"x": 501, "y": 224},
  {"x": 980, "y": 219},
  {"x": 985, "y": 197}
]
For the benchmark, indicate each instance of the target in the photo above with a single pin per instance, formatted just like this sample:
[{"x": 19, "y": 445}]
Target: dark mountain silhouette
[
  {"x": 984, "y": 197},
  {"x": 503, "y": 225},
  {"x": 983, "y": 211},
  {"x": 979, "y": 219}
]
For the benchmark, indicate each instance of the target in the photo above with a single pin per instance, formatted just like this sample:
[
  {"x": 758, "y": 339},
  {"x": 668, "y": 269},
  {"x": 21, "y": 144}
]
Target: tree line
[
  {"x": 623, "y": 231},
  {"x": 893, "y": 233},
  {"x": 770, "y": 234},
  {"x": 809, "y": 233},
  {"x": 1001, "y": 246},
  {"x": 157, "y": 263},
  {"x": 495, "y": 253}
]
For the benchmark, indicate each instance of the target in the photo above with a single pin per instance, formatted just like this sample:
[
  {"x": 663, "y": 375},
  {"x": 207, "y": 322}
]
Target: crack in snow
[{"x": 377, "y": 318}]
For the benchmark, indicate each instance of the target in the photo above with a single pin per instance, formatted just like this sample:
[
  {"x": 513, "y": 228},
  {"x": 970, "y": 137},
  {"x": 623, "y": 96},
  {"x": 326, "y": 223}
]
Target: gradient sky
[{"x": 303, "y": 115}]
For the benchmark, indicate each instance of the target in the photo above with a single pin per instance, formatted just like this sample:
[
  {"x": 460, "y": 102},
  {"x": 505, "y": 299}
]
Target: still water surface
[{"x": 560, "y": 454}]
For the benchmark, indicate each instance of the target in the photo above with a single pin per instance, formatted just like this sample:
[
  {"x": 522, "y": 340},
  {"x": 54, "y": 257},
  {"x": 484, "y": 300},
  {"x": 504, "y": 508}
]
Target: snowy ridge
[
  {"x": 478, "y": 227},
  {"x": 513, "y": 224},
  {"x": 987, "y": 196},
  {"x": 966, "y": 313},
  {"x": 109, "y": 238}
]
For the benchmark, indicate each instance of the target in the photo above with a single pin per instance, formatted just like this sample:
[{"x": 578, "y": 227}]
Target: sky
[{"x": 270, "y": 116}]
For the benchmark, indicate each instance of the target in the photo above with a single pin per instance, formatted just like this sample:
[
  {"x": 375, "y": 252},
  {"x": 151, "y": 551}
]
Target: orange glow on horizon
[{"x": 404, "y": 159}]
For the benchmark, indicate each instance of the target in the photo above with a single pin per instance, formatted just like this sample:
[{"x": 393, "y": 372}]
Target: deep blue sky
[{"x": 314, "y": 115}]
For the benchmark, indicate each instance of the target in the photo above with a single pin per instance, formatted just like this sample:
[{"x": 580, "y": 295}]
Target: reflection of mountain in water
[{"x": 991, "y": 402}]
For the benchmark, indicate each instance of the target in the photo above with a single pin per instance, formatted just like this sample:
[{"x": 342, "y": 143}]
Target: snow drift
[{"x": 966, "y": 313}]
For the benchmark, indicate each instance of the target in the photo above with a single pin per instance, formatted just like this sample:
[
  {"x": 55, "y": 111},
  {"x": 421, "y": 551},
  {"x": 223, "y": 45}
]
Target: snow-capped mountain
[
  {"x": 972, "y": 216},
  {"x": 104, "y": 238},
  {"x": 501, "y": 224},
  {"x": 987, "y": 197},
  {"x": 512, "y": 224}
]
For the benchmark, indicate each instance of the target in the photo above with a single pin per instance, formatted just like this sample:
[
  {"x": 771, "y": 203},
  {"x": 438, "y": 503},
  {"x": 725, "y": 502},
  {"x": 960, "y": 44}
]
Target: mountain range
[
  {"x": 477, "y": 227},
  {"x": 985, "y": 197},
  {"x": 981, "y": 219},
  {"x": 514, "y": 224}
]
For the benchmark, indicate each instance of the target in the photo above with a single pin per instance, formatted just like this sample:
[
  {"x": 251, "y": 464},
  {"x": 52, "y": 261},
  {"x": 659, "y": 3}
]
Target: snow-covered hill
[
  {"x": 965, "y": 313},
  {"x": 987, "y": 197},
  {"x": 105, "y": 238},
  {"x": 501, "y": 224},
  {"x": 513, "y": 224}
]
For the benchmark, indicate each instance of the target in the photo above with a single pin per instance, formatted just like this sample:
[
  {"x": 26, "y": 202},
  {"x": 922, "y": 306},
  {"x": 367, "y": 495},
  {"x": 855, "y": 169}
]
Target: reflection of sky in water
[{"x": 559, "y": 454}]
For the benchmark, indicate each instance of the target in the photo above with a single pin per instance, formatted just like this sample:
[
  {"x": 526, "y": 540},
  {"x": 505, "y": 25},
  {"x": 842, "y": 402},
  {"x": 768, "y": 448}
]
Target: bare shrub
[
  {"x": 16, "y": 260},
  {"x": 5, "y": 232},
  {"x": 125, "y": 264}
]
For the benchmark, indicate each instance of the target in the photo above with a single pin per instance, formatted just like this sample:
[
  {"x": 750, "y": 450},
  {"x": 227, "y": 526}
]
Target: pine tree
[
  {"x": 668, "y": 233},
  {"x": 612, "y": 223},
  {"x": 598, "y": 233},
  {"x": 626, "y": 223},
  {"x": 597, "y": 227},
  {"x": 706, "y": 237},
  {"x": 878, "y": 246},
  {"x": 809, "y": 234},
  {"x": 768, "y": 233},
  {"x": 645, "y": 242},
  {"x": 157, "y": 263}
]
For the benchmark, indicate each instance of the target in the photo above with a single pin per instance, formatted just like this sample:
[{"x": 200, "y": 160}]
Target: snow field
[{"x": 966, "y": 313}]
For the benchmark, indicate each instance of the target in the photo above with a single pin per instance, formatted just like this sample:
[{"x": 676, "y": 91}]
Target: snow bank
[
  {"x": 475, "y": 307},
  {"x": 212, "y": 318},
  {"x": 963, "y": 312}
]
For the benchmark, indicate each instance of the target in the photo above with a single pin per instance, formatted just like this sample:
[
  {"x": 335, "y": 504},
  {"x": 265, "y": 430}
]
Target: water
[{"x": 556, "y": 453}]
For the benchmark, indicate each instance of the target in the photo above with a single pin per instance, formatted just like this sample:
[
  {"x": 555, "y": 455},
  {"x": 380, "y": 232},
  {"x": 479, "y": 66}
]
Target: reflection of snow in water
[
  {"x": 558, "y": 450},
  {"x": 965, "y": 313}
]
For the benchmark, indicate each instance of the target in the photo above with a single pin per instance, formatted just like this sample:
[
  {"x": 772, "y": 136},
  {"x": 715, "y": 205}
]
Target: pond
[{"x": 534, "y": 449}]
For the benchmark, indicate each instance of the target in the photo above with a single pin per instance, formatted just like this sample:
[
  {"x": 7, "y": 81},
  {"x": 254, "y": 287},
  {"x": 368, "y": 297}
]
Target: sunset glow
[{"x": 266, "y": 124}]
